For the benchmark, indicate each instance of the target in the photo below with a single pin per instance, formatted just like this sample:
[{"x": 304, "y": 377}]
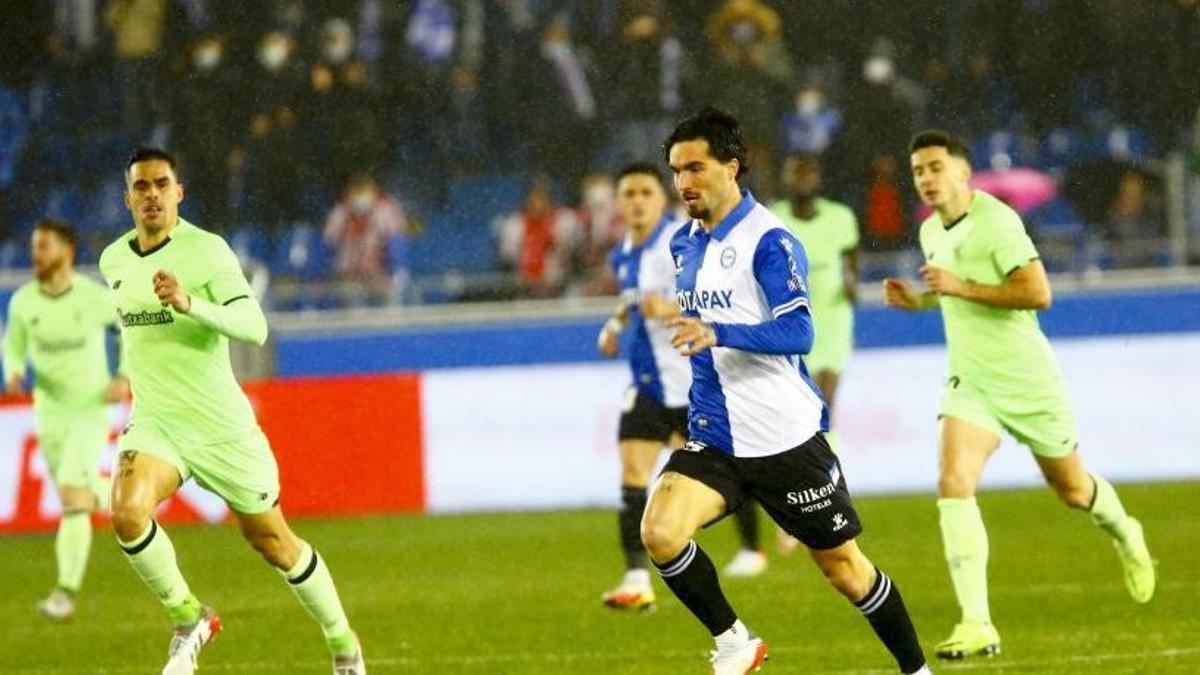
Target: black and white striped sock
[
  {"x": 884, "y": 608},
  {"x": 693, "y": 578}
]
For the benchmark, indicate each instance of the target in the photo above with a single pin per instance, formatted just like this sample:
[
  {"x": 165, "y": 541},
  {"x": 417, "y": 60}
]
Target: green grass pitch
[{"x": 518, "y": 593}]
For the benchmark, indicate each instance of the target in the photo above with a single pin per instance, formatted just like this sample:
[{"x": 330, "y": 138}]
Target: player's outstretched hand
[
  {"x": 941, "y": 280},
  {"x": 169, "y": 292},
  {"x": 898, "y": 293},
  {"x": 692, "y": 335},
  {"x": 14, "y": 385},
  {"x": 117, "y": 390}
]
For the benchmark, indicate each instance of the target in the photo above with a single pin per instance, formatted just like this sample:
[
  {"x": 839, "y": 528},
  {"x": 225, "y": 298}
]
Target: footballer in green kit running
[
  {"x": 57, "y": 322},
  {"x": 983, "y": 272},
  {"x": 829, "y": 232},
  {"x": 180, "y": 296}
]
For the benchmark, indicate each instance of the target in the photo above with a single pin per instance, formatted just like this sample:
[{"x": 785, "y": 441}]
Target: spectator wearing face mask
[
  {"x": 272, "y": 144},
  {"x": 341, "y": 111},
  {"x": 201, "y": 123},
  {"x": 810, "y": 126},
  {"x": 367, "y": 230}
]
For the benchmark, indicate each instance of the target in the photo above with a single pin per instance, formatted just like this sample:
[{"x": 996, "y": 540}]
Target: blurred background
[
  {"x": 477, "y": 139},
  {"x": 421, "y": 192}
]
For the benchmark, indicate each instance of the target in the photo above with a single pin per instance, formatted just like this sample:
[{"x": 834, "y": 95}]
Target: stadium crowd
[{"x": 385, "y": 142}]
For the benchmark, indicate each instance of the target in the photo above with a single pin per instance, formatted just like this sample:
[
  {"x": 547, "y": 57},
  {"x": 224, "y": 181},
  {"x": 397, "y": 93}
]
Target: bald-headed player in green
[
  {"x": 181, "y": 296},
  {"x": 983, "y": 272},
  {"x": 57, "y": 323}
]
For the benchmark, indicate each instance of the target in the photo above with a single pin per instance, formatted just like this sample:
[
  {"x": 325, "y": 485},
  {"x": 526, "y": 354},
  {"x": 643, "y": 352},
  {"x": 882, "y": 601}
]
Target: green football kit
[
  {"x": 188, "y": 408},
  {"x": 1002, "y": 373},
  {"x": 833, "y": 231},
  {"x": 62, "y": 336}
]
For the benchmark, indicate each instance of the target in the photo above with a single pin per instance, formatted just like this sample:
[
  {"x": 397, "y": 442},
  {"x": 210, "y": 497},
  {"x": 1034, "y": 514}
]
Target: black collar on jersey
[
  {"x": 134, "y": 245},
  {"x": 956, "y": 221},
  {"x": 59, "y": 295}
]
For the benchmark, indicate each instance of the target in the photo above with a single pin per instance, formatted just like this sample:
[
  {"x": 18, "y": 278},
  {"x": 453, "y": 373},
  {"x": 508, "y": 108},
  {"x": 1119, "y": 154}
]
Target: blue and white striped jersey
[
  {"x": 659, "y": 371},
  {"x": 751, "y": 395}
]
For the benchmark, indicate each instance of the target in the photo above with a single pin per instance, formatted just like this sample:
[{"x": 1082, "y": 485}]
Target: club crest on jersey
[
  {"x": 623, "y": 271},
  {"x": 694, "y": 301},
  {"x": 678, "y": 264},
  {"x": 728, "y": 257}
]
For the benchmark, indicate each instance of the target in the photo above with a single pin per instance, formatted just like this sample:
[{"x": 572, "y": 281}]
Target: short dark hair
[
  {"x": 936, "y": 138},
  {"x": 64, "y": 230},
  {"x": 147, "y": 153},
  {"x": 719, "y": 128},
  {"x": 638, "y": 168}
]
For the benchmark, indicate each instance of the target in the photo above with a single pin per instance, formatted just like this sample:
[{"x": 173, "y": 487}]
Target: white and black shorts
[
  {"x": 802, "y": 489},
  {"x": 645, "y": 419}
]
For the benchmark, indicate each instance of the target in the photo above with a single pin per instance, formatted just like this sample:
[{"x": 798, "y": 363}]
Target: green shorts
[
  {"x": 1040, "y": 418},
  {"x": 242, "y": 471},
  {"x": 71, "y": 441},
  {"x": 833, "y": 340}
]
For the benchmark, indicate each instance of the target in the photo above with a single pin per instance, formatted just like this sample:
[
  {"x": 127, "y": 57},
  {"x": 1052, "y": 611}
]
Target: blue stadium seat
[
  {"x": 301, "y": 252},
  {"x": 105, "y": 207},
  {"x": 1063, "y": 148},
  {"x": 249, "y": 242},
  {"x": 999, "y": 149}
]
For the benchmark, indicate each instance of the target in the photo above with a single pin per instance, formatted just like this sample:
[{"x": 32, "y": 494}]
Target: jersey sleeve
[
  {"x": 230, "y": 307},
  {"x": 16, "y": 344},
  {"x": 850, "y": 235},
  {"x": 226, "y": 283},
  {"x": 781, "y": 267},
  {"x": 1011, "y": 247}
]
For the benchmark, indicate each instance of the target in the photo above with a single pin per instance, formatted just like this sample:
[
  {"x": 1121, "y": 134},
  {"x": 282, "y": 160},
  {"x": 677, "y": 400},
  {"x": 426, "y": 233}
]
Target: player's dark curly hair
[
  {"x": 719, "y": 128},
  {"x": 147, "y": 153},
  {"x": 936, "y": 138},
  {"x": 640, "y": 168}
]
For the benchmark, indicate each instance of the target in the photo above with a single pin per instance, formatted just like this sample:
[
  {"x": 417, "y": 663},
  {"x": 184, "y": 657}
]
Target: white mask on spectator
[
  {"x": 273, "y": 54},
  {"x": 810, "y": 101},
  {"x": 598, "y": 195},
  {"x": 878, "y": 69},
  {"x": 361, "y": 202},
  {"x": 338, "y": 51},
  {"x": 207, "y": 57}
]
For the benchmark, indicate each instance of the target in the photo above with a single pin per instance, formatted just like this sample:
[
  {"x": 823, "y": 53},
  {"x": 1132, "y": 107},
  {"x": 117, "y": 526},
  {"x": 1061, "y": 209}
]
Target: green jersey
[
  {"x": 826, "y": 237},
  {"x": 178, "y": 364},
  {"x": 63, "y": 337},
  {"x": 997, "y": 350}
]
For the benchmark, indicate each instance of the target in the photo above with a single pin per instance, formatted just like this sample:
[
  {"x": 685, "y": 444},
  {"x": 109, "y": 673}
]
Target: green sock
[
  {"x": 965, "y": 540},
  {"x": 71, "y": 548},
  {"x": 313, "y": 586},
  {"x": 1106, "y": 509},
  {"x": 153, "y": 558}
]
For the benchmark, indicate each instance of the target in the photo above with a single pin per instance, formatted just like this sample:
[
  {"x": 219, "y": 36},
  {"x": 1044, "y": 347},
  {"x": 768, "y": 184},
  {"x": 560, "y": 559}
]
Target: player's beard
[
  {"x": 699, "y": 212},
  {"x": 47, "y": 271}
]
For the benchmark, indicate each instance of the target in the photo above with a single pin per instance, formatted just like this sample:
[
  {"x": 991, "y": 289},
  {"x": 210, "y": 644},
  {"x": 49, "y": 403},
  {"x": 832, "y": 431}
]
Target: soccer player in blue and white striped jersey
[
  {"x": 654, "y": 414},
  {"x": 756, "y": 421}
]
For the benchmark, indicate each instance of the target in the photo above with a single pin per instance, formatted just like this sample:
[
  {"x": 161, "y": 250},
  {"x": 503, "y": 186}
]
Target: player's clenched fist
[
  {"x": 941, "y": 280},
  {"x": 167, "y": 288},
  {"x": 897, "y": 293},
  {"x": 692, "y": 336}
]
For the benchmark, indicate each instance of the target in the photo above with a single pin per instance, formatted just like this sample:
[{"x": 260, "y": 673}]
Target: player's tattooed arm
[{"x": 125, "y": 463}]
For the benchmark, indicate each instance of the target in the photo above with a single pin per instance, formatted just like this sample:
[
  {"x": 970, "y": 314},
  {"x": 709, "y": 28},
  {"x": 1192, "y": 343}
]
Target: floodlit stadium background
[{"x": 465, "y": 335}]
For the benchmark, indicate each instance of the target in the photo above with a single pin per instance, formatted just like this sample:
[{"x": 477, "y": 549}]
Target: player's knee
[
  {"x": 1074, "y": 495},
  {"x": 847, "y": 578},
  {"x": 663, "y": 540},
  {"x": 273, "y": 548},
  {"x": 955, "y": 485},
  {"x": 130, "y": 519}
]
